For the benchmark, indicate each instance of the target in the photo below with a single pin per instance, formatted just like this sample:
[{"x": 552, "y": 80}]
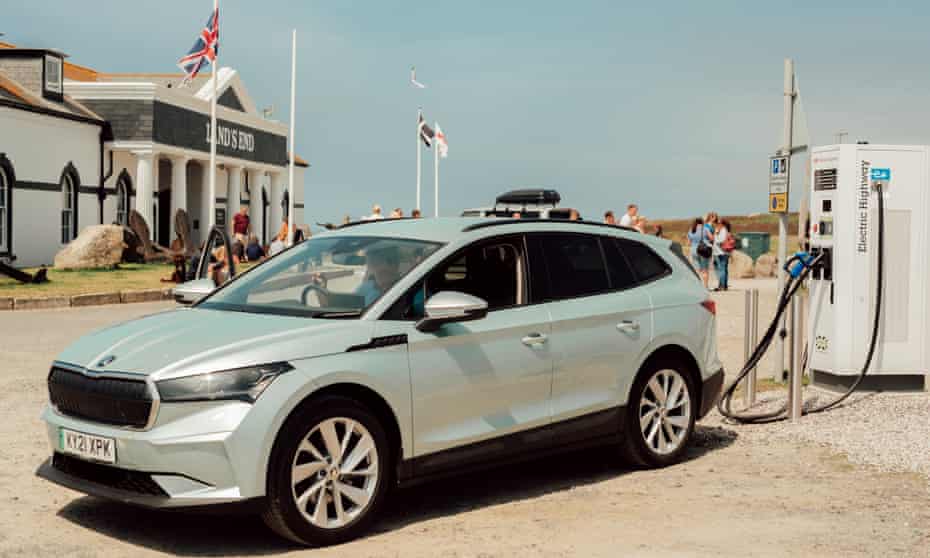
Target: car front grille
[
  {"x": 113, "y": 477},
  {"x": 116, "y": 401}
]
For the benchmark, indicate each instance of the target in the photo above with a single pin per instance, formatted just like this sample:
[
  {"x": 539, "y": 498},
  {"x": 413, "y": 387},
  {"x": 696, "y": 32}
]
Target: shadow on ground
[{"x": 205, "y": 534}]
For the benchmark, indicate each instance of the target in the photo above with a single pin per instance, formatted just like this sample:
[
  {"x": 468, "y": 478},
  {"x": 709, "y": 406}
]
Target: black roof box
[{"x": 532, "y": 196}]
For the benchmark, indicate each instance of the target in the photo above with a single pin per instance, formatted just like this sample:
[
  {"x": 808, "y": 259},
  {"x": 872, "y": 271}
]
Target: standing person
[
  {"x": 241, "y": 223},
  {"x": 700, "y": 249},
  {"x": 629, "y": 218},
  {"x": 609, "y": 218},
  {"x": 723, "y": 245},
  {"x": 659, "y": 231},
  {"x": 640, "y": 223},
  {"x": 398, "y": 213},
  {"x": 416, "y": 214}
]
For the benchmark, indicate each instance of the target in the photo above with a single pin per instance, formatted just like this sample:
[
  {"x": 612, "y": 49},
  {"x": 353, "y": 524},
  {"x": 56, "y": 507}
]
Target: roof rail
[
  {"x": 498, "y": 221},
  {"x": 373, "y": 221}
]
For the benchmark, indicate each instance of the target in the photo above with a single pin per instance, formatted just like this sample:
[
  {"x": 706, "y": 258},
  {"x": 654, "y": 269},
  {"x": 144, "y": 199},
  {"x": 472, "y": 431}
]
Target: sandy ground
[{"x": 741, "y": 492}]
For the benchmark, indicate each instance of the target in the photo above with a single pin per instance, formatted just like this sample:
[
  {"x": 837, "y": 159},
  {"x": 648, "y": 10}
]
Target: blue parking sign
[{"x": 774, "y": 166}]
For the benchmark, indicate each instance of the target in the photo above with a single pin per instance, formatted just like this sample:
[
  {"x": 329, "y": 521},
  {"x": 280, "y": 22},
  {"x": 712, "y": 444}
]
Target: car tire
[
  {"x": 660, "y": 414},
  {"x": 330, "y": 504}
]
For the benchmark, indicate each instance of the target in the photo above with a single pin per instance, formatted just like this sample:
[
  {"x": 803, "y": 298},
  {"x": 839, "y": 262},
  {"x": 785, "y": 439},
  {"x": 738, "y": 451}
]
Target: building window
[
  {"x": 4, "y": 210},
  {"x": 122, "y": 202},
  {"x": 67, "y": 208}
]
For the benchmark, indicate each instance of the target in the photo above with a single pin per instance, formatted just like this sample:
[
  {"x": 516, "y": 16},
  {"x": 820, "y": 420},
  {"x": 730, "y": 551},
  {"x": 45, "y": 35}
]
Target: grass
[{"x": 126, "y": 277}]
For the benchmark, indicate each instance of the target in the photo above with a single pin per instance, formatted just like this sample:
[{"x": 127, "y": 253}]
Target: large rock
[
  {"x": 740, "y": 265},
  {"x": 766, "y": 265},
  {"x": 96, "y": 246}
]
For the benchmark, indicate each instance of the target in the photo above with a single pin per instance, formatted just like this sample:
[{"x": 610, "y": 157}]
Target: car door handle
[
  {"x": 534, "y": 339},
  {"x": 628, "y": 326}
]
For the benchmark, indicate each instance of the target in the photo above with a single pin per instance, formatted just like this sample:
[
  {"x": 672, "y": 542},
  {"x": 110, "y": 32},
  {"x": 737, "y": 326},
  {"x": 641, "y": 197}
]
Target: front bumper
[
  {"x": 50, "y": 471},
  {"x": 710, "y": 392},
  {"x": 183, "y": 461}
]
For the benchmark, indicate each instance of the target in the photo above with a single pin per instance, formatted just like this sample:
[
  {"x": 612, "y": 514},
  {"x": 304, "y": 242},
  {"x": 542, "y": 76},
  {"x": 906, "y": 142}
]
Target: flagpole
[
  {"x": 436, "y": 172},
  {"x": 290, "y": 170},
  {"x": 419, "y": 156},
  {"x": 216, "y": 72}
]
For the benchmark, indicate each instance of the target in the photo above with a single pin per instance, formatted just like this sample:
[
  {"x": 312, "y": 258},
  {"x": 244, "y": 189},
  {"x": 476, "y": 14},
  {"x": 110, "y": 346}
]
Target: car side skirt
[{"x": 594, "y": 429}]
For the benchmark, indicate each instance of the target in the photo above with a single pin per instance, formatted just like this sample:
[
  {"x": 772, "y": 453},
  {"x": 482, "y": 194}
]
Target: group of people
[
  {"x": 711, "y": 238},
  {"x": 632, "y": 220},
  {"x": 376, "y": 215},
  {"x": 245, "y": 247}
]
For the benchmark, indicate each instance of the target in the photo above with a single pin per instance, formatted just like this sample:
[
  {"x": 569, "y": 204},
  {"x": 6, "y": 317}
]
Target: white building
[{"x": 81, "y": 147}]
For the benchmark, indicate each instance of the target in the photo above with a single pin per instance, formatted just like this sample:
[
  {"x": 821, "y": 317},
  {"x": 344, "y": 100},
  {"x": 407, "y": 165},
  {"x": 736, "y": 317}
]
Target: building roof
[{"x": 14, "y": 94}]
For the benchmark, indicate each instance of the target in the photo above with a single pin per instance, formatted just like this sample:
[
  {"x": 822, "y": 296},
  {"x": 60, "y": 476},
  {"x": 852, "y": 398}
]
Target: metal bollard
[
  {"x": 795, "y": 373},
  {"x": 750, "y": 340}
]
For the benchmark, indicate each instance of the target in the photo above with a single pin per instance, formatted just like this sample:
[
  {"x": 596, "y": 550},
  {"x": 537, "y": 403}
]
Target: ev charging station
[
  {"x": 866, "y": 269},
  {"x": 846, "y": 183}
]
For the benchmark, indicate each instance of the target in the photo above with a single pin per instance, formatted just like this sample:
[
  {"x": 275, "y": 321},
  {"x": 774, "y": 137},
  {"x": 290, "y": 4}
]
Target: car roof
[{"x": 449, "y": 229}]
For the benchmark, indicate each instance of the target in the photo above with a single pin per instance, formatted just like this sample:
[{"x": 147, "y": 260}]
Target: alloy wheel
[
  {"x": 334, "y": 473},
  {"x": 665, "y": 411}
]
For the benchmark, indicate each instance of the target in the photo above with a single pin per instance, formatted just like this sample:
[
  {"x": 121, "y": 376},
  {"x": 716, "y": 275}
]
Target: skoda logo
[{"x": 105, "y": 361}]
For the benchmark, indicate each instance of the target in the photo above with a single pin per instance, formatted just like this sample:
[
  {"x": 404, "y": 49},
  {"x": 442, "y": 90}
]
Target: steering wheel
[{"x": 313, "y": 287}]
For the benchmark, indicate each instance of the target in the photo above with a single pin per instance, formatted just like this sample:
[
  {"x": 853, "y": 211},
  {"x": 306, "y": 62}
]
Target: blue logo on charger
[{"x": 880, "y": 174}]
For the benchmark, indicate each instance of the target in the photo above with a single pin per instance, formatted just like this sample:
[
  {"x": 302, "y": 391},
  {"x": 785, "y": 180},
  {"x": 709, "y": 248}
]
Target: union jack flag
[{"x": 204, "y": 50}]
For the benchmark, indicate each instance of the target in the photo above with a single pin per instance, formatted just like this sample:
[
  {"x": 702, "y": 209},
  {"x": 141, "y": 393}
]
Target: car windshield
[{"x": 325, "y": 277}]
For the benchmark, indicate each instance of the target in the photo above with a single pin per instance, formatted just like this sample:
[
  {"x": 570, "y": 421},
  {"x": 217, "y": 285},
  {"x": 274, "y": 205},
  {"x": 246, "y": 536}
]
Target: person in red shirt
[{"x": 241, "y": 223}]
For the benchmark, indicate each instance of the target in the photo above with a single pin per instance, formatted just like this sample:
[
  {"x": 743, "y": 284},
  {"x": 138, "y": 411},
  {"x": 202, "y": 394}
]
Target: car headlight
[{"x": 243, "y": 384}]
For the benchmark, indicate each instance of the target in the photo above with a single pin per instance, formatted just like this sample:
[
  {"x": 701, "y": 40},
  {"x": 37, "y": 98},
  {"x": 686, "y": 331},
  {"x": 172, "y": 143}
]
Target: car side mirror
[
  {"x": 192, "y": 291},
  {"x": 451, "y": 306}
]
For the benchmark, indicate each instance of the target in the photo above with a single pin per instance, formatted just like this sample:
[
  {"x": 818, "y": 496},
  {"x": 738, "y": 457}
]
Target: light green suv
[{"x": 387, "y": 353}]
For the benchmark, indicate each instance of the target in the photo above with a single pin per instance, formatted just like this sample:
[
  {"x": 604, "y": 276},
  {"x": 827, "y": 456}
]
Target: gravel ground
[
  {"x": 888, "y": 431},
  {"x": 771, "y": 490}
]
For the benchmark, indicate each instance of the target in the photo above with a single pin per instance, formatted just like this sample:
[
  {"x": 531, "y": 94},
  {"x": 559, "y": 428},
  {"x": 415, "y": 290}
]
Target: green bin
[{"x": 754, "y": 244}]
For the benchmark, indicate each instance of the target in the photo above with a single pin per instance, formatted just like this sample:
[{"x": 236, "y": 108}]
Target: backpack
[{"x": 729, "y": 244}]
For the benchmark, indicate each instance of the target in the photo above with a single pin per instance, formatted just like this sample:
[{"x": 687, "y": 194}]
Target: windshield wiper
[{"x": 336, "y": 314}]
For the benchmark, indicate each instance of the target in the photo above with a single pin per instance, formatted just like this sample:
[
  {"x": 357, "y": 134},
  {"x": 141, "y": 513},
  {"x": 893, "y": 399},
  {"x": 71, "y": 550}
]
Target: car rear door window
[
  {"x": 646, "y": 264},
  {"x": 621, "y": 275},
  {"x": 575, "y": 265}
]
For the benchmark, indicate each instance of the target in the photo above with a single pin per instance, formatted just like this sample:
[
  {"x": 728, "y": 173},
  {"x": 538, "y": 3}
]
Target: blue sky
[{"x": 674, "y": 105}]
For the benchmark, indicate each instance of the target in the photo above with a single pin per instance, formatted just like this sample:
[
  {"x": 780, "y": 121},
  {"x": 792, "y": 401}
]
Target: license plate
[{"x": 87, "y": 446}]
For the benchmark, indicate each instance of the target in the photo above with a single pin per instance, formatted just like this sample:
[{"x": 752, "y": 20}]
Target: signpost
[
  {"x": 779, "y": 178},
  {"x": 778, "y": 183}
]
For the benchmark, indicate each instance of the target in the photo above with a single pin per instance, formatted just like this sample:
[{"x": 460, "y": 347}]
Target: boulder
[
  {"x": 766, "y": 265},
  {"x": 740, "y": 265},
  {"x": 96, "y": 246}
]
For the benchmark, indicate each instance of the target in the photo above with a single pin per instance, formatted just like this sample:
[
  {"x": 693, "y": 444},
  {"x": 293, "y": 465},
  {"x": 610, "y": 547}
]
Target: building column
[
  {"x": 145, "y": 185},
  {"x": 256, "y": 215},
  {"x": 178, "y": 189},
  {"x": 233, "y": 195},
  {"x": 276, "y": 193}
]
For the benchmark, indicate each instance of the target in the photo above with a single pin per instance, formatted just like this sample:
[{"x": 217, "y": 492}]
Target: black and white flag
[{"x": 426, "y": 133}]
